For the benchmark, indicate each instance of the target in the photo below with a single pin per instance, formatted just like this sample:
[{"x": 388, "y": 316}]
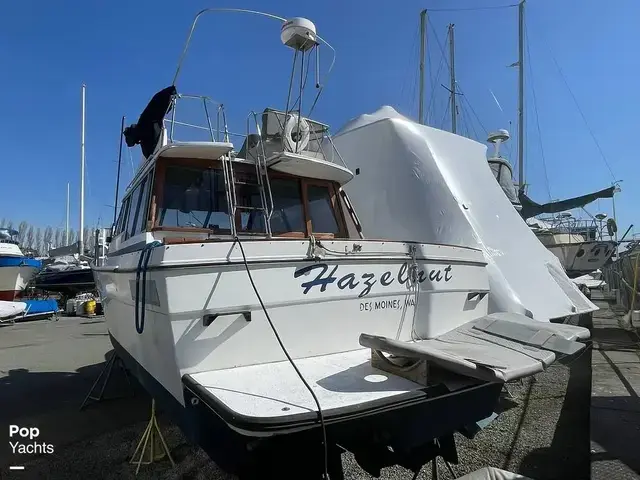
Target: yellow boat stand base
[{"x": 152, "y": 444}]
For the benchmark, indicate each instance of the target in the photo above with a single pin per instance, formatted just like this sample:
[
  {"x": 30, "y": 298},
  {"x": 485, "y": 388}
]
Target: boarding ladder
[{"x": 262, "y": 183}]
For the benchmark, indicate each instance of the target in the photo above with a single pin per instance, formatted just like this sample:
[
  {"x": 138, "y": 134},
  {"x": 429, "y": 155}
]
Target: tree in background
[
  {"x": 39, "y": 246},
  {"x": 48, "y": 239},
  {"x": 10, "y": 225},
  {"x": 72, "y": 236},
  {"x": 22, "y": 232},
  {"x": 91, "y": 241},
  {"x": 86, "y": 238},
  {"x": 57, "y": 238},
  {"x": 3, "y": 222},
  {"x": 30, "y": 237}
]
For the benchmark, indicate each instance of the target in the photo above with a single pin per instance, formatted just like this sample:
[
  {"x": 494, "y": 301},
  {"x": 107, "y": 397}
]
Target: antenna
[
  {"x": 452, "y": 74},
  {"x": 423, "y": 47},
  {"x": 80, "y": 233},
  {"x": 115, "y": 203},
  {"x": 66, "y": 228}
]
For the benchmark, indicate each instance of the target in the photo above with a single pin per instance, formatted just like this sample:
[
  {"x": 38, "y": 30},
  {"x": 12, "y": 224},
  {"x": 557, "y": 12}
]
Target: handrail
[{"x": 262, "y": 172}]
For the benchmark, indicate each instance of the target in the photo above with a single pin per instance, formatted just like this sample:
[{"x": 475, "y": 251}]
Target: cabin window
[
  {"x": 288, "y": 212},
  {"x": 134, "y": 201},
  {"x": 190, "y": 196},
  {"x": 193, "y": 198},
  {"x": 122, "y": 219},
  {"x": 320, "y": 207},
  {"x": 141, "y": 208}
]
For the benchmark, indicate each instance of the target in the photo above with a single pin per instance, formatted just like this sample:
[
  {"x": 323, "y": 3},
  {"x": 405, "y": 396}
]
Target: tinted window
[
  {"x": 141, "y": 210},
  {"x": 122, "y": 219},
  {"x": 133, "y": 201},
  {"x": 323, "y": 219},
  {"x": 288, "y": 214},
  {"x": 193, "y": 197}
]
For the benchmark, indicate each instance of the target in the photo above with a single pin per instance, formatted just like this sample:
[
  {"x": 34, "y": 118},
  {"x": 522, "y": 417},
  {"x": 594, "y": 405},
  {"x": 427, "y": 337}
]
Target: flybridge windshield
[{"x": 193, "y": 197}]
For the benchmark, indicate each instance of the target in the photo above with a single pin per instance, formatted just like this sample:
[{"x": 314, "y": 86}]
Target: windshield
[{"x": 195, "y": 198}]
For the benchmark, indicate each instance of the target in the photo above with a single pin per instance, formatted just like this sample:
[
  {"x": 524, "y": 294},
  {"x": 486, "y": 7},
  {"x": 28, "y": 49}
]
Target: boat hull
[
  {"x": 584, "y": 257},
  {"x": 66, "y": 282},
  {"x": 398, "y": 432},
  {"x": 15, "y": 274},
  {"x": 201, "y": 312}
]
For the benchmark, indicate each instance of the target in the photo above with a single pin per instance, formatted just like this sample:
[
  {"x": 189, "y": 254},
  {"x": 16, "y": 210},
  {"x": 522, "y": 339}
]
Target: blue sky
[{"x": 126, "y": 51}]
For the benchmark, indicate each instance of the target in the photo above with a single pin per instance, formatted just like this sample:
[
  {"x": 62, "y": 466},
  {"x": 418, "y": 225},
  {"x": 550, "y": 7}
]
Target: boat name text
[{"x": 325, "y": 277}]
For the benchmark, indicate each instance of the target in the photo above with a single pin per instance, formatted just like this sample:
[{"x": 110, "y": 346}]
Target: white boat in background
[
  {"x": 11, "y": 310},
  {"x": 16, "y": 270},
  {"x": 582, "y": 246},
  {"x": 593, "y": 280},
  {"x": 240, "y": 290}
]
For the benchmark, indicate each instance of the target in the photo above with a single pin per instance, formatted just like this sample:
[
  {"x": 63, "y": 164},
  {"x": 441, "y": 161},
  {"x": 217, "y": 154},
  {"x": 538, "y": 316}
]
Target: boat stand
[
  {"x": 106, "y": 373},
  {"x": 153, "y": 442}
]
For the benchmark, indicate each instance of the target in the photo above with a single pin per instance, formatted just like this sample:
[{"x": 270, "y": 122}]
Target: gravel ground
[{"x": 542, "y": 433}]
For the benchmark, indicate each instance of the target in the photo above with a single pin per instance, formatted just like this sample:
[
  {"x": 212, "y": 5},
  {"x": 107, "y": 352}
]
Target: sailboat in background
[
  {"x": 69, "y": 272},
  {"x": 582, "y": 245},
  {"x": 446, "y": 194}
]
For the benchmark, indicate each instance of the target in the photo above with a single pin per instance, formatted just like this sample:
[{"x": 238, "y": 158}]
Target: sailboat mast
[
  {"x": 81, "y": 232},
  {"x": 423, "y": 48},
  {"x": 452, "y": 74},
  {"x": 521, "y": 96},
  {"x": 66, "y": 229}
]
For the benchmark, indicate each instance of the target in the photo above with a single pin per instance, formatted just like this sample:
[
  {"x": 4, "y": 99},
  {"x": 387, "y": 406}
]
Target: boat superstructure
[
  {"x": 240, "y": 290},
  {"x": 16, "y": 270}
]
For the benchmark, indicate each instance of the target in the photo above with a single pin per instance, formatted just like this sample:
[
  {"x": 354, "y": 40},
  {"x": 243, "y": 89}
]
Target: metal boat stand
[
  {"x": 434, "y": 466},
  {"x": 106, "y": 373},
  {"x": 153, "y": 442}
]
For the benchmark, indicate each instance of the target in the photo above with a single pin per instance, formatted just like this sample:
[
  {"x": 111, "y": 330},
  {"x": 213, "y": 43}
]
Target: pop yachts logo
[
  {"x": 23, "y": 440},
  {"x": 324, "y": 277}
]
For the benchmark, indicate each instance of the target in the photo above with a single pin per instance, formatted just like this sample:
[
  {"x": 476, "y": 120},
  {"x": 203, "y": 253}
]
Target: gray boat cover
[{"x": 499, "y": 347}]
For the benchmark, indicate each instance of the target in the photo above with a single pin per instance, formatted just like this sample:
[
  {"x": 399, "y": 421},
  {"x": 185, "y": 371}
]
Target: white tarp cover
[
  {"x": 418, "y": 183},
  {"x": 11, "y": 309}
]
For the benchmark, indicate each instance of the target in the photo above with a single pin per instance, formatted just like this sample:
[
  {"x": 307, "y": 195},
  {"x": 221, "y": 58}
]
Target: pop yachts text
[
  {"x": 27, "y": 433},
  {"x": 368, "y": 280}
]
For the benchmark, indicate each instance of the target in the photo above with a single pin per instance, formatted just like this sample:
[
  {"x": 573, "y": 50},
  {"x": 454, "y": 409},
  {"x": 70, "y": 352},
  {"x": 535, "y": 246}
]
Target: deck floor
[{"x": 615, "y": 405}]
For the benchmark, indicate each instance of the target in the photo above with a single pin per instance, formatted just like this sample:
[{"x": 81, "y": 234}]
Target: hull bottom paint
[
  {"x": 9, "y": 295},
  {"x": 398, "y": 432}
]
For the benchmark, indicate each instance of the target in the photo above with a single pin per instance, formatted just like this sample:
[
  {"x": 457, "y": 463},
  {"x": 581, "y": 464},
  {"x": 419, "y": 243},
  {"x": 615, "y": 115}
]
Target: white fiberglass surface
[
  {"x": 319, "y": 305},
  {"x": 274, "y": 389},
  {"x": 437, "y": 187}
]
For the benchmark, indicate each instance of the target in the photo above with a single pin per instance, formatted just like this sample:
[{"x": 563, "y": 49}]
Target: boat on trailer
[{"x": 241, "y": 292}]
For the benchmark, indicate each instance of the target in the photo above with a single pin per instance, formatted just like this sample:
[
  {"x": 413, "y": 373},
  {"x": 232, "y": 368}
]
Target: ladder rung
[
  {"x": 243, "y": 207},
  {"x": 248, "y": 183}
]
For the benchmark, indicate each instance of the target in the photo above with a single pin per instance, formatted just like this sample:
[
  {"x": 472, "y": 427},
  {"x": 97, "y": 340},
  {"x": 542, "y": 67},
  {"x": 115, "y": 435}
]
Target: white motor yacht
[{"x": 240, "y": 289}]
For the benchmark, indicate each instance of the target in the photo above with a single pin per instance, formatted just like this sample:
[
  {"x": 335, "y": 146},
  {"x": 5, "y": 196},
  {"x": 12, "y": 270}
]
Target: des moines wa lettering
[
  {"x": 366, "y": 281},
  {"x": 23, "y": 440}
]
